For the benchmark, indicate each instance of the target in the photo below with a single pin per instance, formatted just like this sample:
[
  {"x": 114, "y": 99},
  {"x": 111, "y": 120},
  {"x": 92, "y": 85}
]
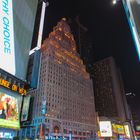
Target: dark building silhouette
[{"x": 108, "y": 90}]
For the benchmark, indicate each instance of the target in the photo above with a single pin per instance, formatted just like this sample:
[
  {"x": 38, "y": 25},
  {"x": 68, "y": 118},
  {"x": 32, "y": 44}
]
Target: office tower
[
  {"x": 64, "y": 88},
  {"x": 16, "y": 29},
  {"x": 109, "y": 93}
]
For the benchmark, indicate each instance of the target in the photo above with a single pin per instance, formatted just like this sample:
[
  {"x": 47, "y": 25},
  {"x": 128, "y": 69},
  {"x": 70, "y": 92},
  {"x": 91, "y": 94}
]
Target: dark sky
[{"x": 108, "y": 26}]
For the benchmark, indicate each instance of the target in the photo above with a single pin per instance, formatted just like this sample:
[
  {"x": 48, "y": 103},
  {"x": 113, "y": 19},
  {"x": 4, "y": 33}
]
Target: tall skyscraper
[
  {"x": 65, "y": 88},
  {"x": 109, "y": 93}
]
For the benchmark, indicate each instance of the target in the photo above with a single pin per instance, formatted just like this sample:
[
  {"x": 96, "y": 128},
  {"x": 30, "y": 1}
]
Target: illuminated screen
[
  {"x": 7, "y": 50},
  {"x": 9, "y": 115},
  {"x": 138, "y": 127},
  {"x": 105, "y": 128},
  {"x": 24, "y": 12},
  {"x": 25, "y": 108},
  {"x": 132, "y": 8},
  {"x": 17, "y": 19},
  {"x": 127, "y": 131}
]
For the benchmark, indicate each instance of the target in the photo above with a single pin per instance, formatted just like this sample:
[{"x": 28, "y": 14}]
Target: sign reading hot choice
[
  {"x": 7, "y": 51},
  {"x": 12, "y": 86}
]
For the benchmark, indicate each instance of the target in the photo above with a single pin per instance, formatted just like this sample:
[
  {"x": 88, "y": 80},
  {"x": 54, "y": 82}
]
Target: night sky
[{"x": 108, "y": 26}]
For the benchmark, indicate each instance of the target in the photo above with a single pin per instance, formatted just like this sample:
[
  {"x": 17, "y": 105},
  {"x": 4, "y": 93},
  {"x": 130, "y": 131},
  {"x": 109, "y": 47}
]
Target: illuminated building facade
[
  {"x": 65, "y": 88},
  {"x": 110, "y": 100}
]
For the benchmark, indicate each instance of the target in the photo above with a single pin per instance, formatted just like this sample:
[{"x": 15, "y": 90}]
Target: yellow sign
[
  {"x": 119, "y": 129},
  {"x": 99, "y": 134},
  {"x": 13, "y": 87},
  {"x": 114, "y": 127}
]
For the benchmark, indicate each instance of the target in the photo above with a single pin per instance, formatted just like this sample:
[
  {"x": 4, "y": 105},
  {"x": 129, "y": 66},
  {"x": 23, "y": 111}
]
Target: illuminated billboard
[
  {"x": 138, "y": 127},
  {"x": 24, "y": 12},
  {"x": 127, "y": 131},
  {"x": 105, "y": 128},
  {"x": 132, "y": 9},
  {"x": 25, "y": 108},
  {"x": 17, "y": 20},
  {"x": 9, "y": 114},
  {"x": 7, "y": 50}
]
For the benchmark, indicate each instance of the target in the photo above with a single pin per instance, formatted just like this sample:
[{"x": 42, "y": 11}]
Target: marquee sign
[
  {"x": 10, "y": 82},
  {"x": 12, "y": 86}
]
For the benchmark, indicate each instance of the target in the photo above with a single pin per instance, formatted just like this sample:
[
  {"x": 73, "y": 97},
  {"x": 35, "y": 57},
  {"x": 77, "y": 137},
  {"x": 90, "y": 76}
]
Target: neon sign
[{"x": 7, "y": 52}]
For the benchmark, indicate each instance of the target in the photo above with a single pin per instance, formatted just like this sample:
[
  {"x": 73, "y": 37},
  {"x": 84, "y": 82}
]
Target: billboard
[
  {"x": 24, "y": 12},
  {"x": 43, "y": 110},
  {"x": 9, "y": 114},
  {"x": 25, "y": 108},
  {"x": 17, "y": 20},
  {"x": 127, "y": 131},
  {"x": 105, "y": 128},
  {"x": 7, "y": 48},
  {"x": 138, "y": 127},
  {"x": 132, "y": 9}
]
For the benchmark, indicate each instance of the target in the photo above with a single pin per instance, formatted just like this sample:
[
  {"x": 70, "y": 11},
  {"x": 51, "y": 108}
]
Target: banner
[{"x": 7, "y": 47}]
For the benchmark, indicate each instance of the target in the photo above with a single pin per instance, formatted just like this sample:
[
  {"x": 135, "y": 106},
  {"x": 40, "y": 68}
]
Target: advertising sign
[
  {"x": 114, "y": 128},
  {"x": 127, "y": 131},
  {"x": 25, "y": 109},
  {"x": 138, "y": 127},
  {"x": 105, "y": 128},
  {"x": 13, "y": 87},
  {"x": 43, "y": 107},
  {"x": 9, "y": 115},
  {"x": 120, "y": 129},
  {"x": 7, "y": 50}
]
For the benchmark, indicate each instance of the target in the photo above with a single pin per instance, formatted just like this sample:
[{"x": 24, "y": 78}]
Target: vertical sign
[
  {"x": 7, "y": 52},
  {"x": 127, "y": 131},
  {"x": 25, "y": 108},
  {"x": 43, "y": 110}
]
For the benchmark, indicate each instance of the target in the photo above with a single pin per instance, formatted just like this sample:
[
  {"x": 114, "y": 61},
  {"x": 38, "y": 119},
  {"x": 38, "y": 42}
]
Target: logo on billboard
[{"x": 7, "y": 52}]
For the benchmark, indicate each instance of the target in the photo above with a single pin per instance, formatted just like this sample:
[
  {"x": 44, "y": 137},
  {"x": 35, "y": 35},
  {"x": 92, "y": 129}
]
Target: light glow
[{"x": 114, "y": 2}]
